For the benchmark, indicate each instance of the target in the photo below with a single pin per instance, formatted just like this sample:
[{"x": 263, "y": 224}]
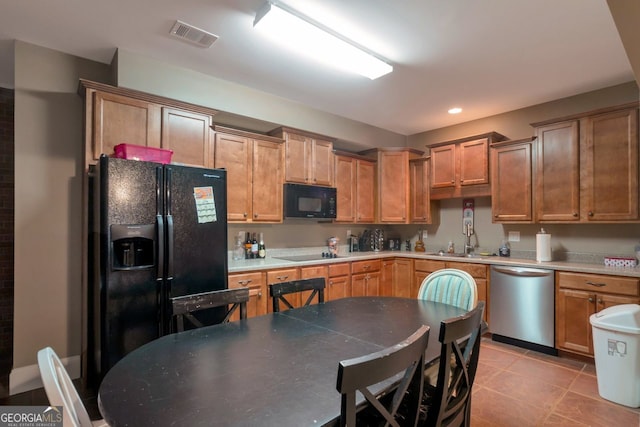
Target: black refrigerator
[{"x": 159, "y": 231}]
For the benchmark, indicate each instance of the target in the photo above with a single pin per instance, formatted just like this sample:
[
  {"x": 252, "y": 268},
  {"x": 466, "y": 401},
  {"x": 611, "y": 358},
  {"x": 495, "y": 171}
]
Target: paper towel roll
[{"x": 543, "y": 246}]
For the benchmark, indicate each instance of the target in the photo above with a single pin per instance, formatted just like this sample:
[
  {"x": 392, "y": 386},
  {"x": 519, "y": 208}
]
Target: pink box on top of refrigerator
[{"x": 140, "y": 152}]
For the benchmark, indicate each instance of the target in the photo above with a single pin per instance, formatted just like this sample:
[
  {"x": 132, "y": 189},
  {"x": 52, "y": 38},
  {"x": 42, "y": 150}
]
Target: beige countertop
[{"x": 273, "y": 262}]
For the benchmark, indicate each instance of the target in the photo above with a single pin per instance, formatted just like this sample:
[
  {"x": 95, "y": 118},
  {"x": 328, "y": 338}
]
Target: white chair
[
  {"x": 450, "y": 286},
  {"x": 61, "y": 391}
]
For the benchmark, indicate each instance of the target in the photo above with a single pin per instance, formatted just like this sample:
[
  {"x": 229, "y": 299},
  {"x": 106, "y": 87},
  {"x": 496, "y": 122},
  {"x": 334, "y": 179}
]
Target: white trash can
[{"x": 616, "y": 344}]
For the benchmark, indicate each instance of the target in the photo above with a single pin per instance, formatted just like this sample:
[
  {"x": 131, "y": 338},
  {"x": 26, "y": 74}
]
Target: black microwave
[{"x": 309, "y": 201}]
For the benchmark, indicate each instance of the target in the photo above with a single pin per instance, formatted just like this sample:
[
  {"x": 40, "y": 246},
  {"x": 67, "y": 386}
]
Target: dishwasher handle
[{"x": 522, "y": 272}]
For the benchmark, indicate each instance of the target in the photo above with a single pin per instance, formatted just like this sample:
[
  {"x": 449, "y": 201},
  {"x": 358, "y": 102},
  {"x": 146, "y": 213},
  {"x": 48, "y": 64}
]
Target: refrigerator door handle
[
  {"x": 169, "y": 247},
  {"x": 160, "y": 255}
]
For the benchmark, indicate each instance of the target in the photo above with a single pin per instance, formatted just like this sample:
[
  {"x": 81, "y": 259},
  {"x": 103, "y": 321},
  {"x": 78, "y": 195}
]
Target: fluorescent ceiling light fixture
[
  {"x": 312, "y": 38},
  {"x": 455, "y": 110}
]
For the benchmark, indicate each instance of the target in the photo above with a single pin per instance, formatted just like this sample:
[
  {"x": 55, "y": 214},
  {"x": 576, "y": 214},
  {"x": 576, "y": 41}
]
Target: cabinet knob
[
  {"x": 590, "y": 213},
  {"x": 282, "y": 278},
  {"x": 244, "y": 282},
  {"x": 575, "y": 214},
  {"x": 245, "y": 214},
  {"x": 590, "y": 299},
  {"x": 495, "y": 215},
  {"x": 600, "y": 301},
  {"x": 259, "y": 294},
  {"x": 255, "y": 215}
]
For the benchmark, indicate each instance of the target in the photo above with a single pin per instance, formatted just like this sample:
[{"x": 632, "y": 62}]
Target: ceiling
[{"x": 487, "y": 56}]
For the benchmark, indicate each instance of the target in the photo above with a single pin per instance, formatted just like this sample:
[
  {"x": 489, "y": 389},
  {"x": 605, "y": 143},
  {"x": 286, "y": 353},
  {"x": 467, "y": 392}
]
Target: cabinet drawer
[
  {"x": 244, "y": 280},
  {"x": 365, "y": 266},
  {"x": 311, "y": 272},
  {"x": 286, "y": 275},
  {"x": 600, "y": 283},
  {"x": 428, "y": 265},
  {"x": 341, "y": 269},
  {"x": 477, "y": 271}
]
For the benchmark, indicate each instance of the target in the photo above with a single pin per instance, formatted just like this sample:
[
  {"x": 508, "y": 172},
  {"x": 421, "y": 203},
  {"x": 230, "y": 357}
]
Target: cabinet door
[
  {"x": 474, "y": 162},
  {"x": 257, "y": 305},
  {"x": 605, "y": 301},
  {"x": 284, "y": 275},
  {"x": 234, "y": 153},
  {"x": 118, "y": 119},
  {"x": 321, "y": 167},
  {"x": 345, "y": 189},
  {"x": 365, "y": 284},
  {"x": 297, "y": 158},
  {"x": 365, "y": 191},
  {"x": 338, "y": 287},
  {"x": 386, "y": 278},
  {"x": 403, "y": 279},
  {"x": 573, "y": 330},
  {"x": 372, "y": 281},
  {"x": 443, "y": 166},
  {"x": 557, "y": 190},
  {"x": 310, "y": 273},
  {"x": 420, "y": 204},
  {"x": 511, "y": 183},
  {"x": 267, "y": 181},
  {"x": 394, "y": 186},
  {"x": 609, "y": 160},
  {"x": 188, "y": 135}
]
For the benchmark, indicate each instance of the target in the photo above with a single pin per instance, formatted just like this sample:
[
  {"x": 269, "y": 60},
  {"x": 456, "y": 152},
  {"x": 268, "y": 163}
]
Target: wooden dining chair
[
  {"x": 398, "y": 407},
  {"x": 184, "y": 306},
  {"x": 448, "y": 401},
  {"x": 279, "y": 291},
  {"x": 450, "y": 286}
]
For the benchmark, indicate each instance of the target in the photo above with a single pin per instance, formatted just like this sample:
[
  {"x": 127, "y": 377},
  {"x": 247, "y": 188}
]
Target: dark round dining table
[{"x": 279, "y": 369}]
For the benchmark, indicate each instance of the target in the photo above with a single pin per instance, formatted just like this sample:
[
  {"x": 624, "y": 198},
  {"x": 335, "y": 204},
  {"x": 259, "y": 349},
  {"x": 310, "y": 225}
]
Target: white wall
[{"x": 48, "y": 203}]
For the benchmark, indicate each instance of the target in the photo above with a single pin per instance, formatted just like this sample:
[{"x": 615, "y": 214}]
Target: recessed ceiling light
[{"x": 455, "y": 110}]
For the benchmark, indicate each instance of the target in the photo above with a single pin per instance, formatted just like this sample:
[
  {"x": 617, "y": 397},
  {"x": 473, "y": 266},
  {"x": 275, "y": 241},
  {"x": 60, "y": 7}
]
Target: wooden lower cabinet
[
  {"x": 310, "y": 273},
  {"x": 339, "y": 283},
  {"x": 258, "y": 293},
  {"x": 397, "y": 278},
  {"x": 580, "y": 295},
  {"x": 365, "y": 278},
  {"x": 479, "y": 272},
  {"x": 284, "y": 275}
]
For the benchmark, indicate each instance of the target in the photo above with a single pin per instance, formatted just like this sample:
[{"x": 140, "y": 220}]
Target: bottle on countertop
[
  {"x": 262, "y": 250},
  {"x": 247, "y": 246},
  {"x": 254, "y": 247},
  {"x": 451, "y": 248},
  {"x": 239, "y": 251},
  {"x": 505, "y": 249}
]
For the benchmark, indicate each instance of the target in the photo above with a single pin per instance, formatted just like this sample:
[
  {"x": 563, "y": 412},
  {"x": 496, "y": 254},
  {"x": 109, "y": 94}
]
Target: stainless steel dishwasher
[{"x": 522, "y": 302}]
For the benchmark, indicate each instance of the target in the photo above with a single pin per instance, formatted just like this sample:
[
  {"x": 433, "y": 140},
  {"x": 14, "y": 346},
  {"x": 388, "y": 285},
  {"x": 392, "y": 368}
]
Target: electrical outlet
[{"x": 514, "y": 236}]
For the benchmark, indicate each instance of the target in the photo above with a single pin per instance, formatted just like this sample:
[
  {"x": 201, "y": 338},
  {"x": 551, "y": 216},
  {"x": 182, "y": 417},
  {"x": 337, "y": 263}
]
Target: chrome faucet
[{"x": 468, "y": 231}]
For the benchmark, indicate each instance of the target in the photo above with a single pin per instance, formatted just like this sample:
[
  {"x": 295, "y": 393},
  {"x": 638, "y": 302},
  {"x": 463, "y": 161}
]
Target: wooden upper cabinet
[
  {"x": 609, "y": 166},
  {"x": 420, "y": 202},
  {"x": 234, "y": 153},
  {"x": 557, "y": 172},
  {"x": 345, "y": 170},
  {"x": 365, "y": 191},
  {"x": 254, "y": 174},
  {"x": 120, "y": 119},
  {"x": 587, "y": 167},
  {"x": 188, "y": 134},
  {"x": 393, "y": 183},
  {"x": 308, "y": 157},
  {"x": 355, "y": 188},
  {"x": 267, "y": 181},
  {"x": 512, "y": 181},
  {"x": 460, "y": 168},
  {"x": 474, "y": 162},
  {"x": 443, "y": 170},
  {"x": 116, "y": 115}
]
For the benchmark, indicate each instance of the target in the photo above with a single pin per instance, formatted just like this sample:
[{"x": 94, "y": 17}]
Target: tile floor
[
  {"x": 513, "y": 387},
  {"x": 518, "y": 387}
]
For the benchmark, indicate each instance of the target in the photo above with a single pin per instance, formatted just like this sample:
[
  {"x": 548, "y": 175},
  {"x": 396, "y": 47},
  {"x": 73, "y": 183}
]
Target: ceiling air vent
[{"x": 193, "y": 35}]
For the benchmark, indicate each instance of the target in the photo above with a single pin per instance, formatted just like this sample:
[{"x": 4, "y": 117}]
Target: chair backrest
[
  {"x": 60, "y": 390},
  {"x": 398, "y": 407},
  {"x": 184, "y": 306},
  {"x": 449, "y": 402},
  {"x": 450, "y": 286},
  {"x": 278, "y": 291}
]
